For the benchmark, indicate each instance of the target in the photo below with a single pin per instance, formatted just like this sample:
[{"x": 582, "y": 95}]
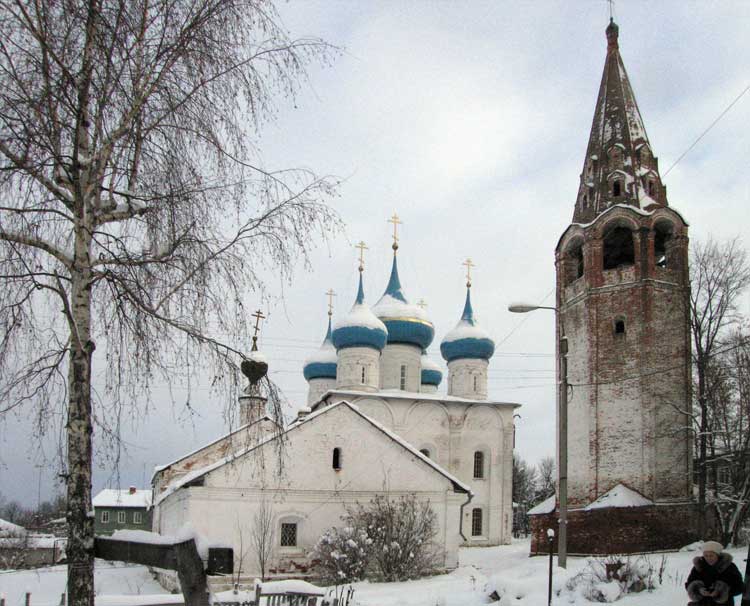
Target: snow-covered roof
[
  {"x": 546, "y": 506},
  {"x": 178, "y": 483},
  {"x": 9, "y": 529},
  {"x": 110, "y": 497},
  {"x": 410, "y": 395},
  {"x": 619, "y": 496},
  {"x": 159, "y": 468}
]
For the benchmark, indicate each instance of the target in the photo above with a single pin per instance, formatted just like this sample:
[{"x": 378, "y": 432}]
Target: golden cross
[
  {"x": 422, "y": 304},
  {"x": 331, "y": 295},
  {"x": 396, "y": 222},
  {"x": 468, "y": 264},
  {"x": 362, "y": 248},
  {"x": 258, "y": 315},
  {"x": 611, "y": 8}
]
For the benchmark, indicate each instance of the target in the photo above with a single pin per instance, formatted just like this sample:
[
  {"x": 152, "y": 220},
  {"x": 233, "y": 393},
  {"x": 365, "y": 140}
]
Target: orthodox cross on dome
[
  {"x": 611, "y": 4},
  {"x": 362, "y": 248},
  {"x": 331, "y": 295},
  {"x": 422, "y": 304},
  {"x": 468, "y": 264},
  {"x": 396, "y": 222},
  {"x": 258, "y": 315}
]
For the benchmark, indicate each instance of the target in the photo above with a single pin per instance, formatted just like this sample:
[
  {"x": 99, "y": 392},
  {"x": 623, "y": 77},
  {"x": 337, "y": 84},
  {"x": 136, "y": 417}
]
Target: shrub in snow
[
  {"x": 342, "y": 555},
  {"x": 609, "y": 578},
  {"x": 401, "y": 532}
]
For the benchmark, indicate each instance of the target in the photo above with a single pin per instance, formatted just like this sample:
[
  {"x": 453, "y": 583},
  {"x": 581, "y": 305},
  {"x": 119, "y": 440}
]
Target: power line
[{"x": 703, "y": 134}]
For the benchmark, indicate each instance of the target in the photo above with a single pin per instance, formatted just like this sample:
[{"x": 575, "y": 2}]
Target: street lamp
[{"x": 562, "y": 458}]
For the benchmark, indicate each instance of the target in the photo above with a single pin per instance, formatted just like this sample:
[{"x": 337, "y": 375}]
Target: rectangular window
[
  {"x": 289, "y": 534},
  {"x": 403, "y": 377},
  {"x": 137, "y": 517},
  {"x": 105, "y": 517},
  {"x": 478, "y": 465},
  {"x": 120, "y": 517},
  {"x": 476, "y": 522}
]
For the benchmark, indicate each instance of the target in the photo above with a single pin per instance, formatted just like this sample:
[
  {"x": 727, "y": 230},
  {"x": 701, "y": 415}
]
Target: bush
[
  {"x": 342, "y": 555},
  {"x": 402, "y": 532},
  {"x": 609, "y": 578}
]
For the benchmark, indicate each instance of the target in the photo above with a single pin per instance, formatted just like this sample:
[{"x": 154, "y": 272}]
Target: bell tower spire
[{"x": 619, "y": 167}]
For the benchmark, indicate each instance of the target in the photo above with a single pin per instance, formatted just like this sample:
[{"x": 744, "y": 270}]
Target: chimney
[{"x": 131, "y": 490}]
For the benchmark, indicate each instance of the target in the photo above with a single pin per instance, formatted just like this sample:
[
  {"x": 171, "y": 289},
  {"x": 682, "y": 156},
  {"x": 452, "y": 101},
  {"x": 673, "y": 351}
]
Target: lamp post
[{"x": 562, "y": 458}]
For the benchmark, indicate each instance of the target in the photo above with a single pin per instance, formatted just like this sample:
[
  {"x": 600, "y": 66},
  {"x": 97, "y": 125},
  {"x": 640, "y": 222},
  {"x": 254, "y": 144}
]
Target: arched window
[
  {"x": 425, "y": 452},
  {"x": 616, "y": 188},
  {"x": 476, "y": 522},
  {"x": 475, "y": 382},
  {"x": 336, "y": 464},
  {"x": 364, "y": 375},
  {"x": 619, "y": 327},
  {"x": 618, "y": 248},
  {"x": 574, "y": 262},
  {"x": 661, "y": 243},
  {"x": 478, "y": 465}
]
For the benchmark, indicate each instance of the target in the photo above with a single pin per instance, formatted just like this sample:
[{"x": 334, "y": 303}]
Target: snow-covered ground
[{"x": 518, "y": 579}]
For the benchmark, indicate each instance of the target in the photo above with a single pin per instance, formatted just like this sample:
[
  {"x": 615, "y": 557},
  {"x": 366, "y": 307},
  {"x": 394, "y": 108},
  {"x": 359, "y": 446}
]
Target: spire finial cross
[
  {"x": 422, "y": 304},
  {"x": 258, "y": 315},
  {"x": 362, "y": 248},
  {"x": 331, "y": 295},
  {"x": 468, "y": 264},
  {"x": 396, "y": 222},
  {"x": 611, "y": 4}
]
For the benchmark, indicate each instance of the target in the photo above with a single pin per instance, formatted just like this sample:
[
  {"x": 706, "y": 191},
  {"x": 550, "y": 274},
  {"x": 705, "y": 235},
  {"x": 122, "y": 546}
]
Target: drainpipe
[{"x": 461, "y": 519}]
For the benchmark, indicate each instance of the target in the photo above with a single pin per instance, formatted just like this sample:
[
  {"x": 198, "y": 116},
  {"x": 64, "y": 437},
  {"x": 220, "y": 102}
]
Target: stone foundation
[{"x": 622, "y": 529}]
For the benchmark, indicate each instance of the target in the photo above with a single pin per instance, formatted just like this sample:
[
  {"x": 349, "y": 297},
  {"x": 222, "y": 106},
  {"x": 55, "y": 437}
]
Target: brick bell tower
[{"x": 622, "y": 292}]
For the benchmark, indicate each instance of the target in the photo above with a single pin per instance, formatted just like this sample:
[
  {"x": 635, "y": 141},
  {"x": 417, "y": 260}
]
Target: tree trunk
[
  {"x": 702, "y": 450},
  {"x": 80, "y": 550}
]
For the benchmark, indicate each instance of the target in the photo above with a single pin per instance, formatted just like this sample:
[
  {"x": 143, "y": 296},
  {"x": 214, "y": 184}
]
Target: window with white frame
[
  {"x": 137, "y": 517},
  {"x": 121, "y": 517},
  {"x": 104, "y": 517}
]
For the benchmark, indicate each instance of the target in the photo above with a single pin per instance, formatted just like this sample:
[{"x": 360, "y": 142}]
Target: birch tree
[{"x": 135, "y": 212}]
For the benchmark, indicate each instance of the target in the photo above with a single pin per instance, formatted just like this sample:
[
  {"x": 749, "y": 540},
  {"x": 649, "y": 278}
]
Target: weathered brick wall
[
  {"x": 622, "y": 529},
  {"x": 627, "y": 389}
]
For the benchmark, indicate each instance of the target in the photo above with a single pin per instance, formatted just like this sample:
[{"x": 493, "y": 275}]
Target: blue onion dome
[
  {"x": 406, "y": 323},
  {"x": 467, "y": 340},
  {"x": 360, "y": 327},
  {"x": 322, "y": 364},
  {"x": 432, "y": 374}
]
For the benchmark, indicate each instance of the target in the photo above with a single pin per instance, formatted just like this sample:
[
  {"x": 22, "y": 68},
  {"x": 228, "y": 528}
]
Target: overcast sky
[{"x": 470, "y": 120}]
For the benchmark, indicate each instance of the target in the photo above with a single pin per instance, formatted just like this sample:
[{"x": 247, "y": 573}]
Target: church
[{"x": 373, "y": 424}]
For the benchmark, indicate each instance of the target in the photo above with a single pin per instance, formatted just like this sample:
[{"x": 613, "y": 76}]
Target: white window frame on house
[
  {"x": 122, "y": 517},
  {"x": 104, "y": 517},
  {"x": 137, "y": 517}
]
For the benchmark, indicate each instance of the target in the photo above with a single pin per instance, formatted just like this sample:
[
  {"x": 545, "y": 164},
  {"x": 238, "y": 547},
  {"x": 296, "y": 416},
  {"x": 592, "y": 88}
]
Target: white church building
[{"x": 374, "y": 423}]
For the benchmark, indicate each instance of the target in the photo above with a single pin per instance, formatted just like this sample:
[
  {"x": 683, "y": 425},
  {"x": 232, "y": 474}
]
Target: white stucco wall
[
  {"x": 468, "y": 379},
  {"x": 351, "y": 361},
  {"x": 396, "y": 355},
  {"x": 309, "y": 491},
  {"x": 452, "y": 431},
  {"x": 317, "y": 387}
]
